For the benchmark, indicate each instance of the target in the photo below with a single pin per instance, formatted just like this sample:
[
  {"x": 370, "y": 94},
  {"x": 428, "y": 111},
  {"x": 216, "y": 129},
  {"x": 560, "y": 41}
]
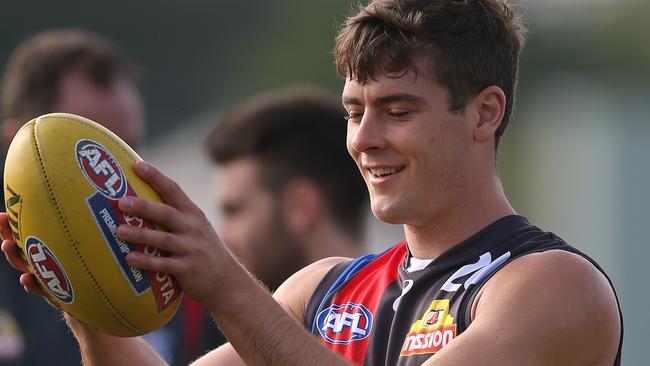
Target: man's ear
[
  {"x": 10, "y": 127},
  {"x": 302, "y": 205},
  {"x": 490, "y": 105}
]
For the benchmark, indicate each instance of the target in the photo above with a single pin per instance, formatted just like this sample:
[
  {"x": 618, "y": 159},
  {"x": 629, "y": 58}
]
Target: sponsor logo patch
[
  {"x": 108, "y": 218},
  {"x": 342, "y": 324},
  {"x": 433, "y": 331},
  {"x": 106, "y": 175},
  {"x": 101, "y": 168},
  {"x": 48, "y": 270},
  {"x": 14, "y": 204}
]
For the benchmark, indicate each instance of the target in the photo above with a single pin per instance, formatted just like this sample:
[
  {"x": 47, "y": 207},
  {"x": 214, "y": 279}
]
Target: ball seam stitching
[{"x": 68, "y": 231}]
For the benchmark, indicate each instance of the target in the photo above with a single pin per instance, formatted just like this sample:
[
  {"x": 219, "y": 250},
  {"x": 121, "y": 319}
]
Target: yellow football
[{"x": 63, "y": 177}]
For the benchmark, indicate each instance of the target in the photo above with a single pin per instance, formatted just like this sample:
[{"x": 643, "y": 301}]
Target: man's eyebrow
[
  {"x": 385, "y": 99},
  {"x": 350, "y": 101}
]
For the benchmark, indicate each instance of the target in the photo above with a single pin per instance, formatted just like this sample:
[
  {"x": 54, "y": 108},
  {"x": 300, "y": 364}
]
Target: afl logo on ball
[
  {"x": 101, "y": 169},
  {"x": 48, "y": 270}
]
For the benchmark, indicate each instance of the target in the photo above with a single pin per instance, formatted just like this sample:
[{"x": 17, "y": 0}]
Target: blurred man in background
[
  {"x": 286, "y": 183},
  {"x": 76, "y": 72},
  {"x": 69, "y": 71},
  {"x": 286, "y": 190}
]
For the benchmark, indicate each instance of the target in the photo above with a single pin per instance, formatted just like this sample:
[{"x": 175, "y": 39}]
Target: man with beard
[
  {"x": 286, "y": 189},
  {"x": 287, "y": 192}
]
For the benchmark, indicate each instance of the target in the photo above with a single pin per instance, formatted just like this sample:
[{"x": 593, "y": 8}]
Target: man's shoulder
[
  {"x": 560, "y": 297},
  {"x": 324, "y": 264},
  {"x": 562, "y": 276},
  {"x": 295, "y": 292},
  {"x": 556, "y": 270}
]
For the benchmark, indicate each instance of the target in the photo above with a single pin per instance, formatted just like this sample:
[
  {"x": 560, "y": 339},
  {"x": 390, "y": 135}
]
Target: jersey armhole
[
  {"x": 321, "y": 289},
  {"x": 333, "y": 280},
  {"x": 467, "y": 303}
]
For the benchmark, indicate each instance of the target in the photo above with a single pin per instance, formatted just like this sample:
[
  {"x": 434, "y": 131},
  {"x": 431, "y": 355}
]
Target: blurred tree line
[
  {"x": 601, "y": 40},
  {"x": 197, "y": 55}
]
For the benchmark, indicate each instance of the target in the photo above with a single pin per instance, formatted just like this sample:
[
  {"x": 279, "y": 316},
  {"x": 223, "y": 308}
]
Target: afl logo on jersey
[
  {"x": 342, "y": 324},
  {"x": 48, "y": 270},
  {"x": 101, "y": 168}
]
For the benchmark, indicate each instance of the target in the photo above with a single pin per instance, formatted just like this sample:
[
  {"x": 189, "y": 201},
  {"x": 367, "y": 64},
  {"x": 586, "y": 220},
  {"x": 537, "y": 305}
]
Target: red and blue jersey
[{"x": 372, "y": 311}]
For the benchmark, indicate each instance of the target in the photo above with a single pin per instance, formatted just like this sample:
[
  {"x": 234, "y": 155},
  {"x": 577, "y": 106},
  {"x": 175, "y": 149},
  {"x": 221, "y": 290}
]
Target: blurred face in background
[
  {"x": 253, "y": 223},
  {"x": 118, "y": 107}
]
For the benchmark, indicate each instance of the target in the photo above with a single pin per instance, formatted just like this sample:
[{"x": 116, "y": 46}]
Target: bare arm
[
  {"x": 551, "y": 308},
  {"x": 258, "y": 327},
  {"x": 98, "y": 349},
  {"x": 246, "y": 312},
  {"x": 293, "y": 296}
]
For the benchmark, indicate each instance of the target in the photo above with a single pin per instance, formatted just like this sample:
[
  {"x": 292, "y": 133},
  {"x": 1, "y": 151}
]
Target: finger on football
[
  {"x": 30, "y": 284},
  {"x": 12, "y": 253},
  {"x": 170, "y": 191},
  {"x": 5, "y": 229},
  {"x": 162, "y": 240},
  {"x": 153, "y": 263},
  {"x": 158, "y": 212}
]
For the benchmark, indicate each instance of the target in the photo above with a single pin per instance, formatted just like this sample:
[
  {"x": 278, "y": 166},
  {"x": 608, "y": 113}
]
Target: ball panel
[
  {"x": 82, "y": 169},
  {"x": 56, "y": 140},
  {"x": 47, "y": 251}
]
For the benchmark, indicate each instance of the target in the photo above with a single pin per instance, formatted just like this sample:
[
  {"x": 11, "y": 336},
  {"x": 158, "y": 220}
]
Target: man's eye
[
  {"x": 352, "y": 115},
  {"x": 399, "y": 113}
]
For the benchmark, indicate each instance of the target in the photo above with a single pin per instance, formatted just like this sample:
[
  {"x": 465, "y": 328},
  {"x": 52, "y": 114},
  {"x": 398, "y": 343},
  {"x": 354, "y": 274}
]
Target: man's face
[
  {"x": 118, "y": 108},
  {"x": 253, "y": 225},
  {"x": 412, "y": 151}
]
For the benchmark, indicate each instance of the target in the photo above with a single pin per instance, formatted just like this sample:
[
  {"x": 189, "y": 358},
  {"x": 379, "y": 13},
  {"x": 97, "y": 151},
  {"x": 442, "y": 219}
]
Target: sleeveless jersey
[{"x": 373, "y": 312}]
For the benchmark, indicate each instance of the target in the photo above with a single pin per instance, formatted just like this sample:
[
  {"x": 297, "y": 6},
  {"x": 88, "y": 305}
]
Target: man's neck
[
  {"x": 331, "y": 241},
  {"x": 480, "y": 209}
]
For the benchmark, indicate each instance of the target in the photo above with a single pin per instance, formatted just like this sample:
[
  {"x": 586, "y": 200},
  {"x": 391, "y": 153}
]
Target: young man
[{"x": 429, "y": 88}]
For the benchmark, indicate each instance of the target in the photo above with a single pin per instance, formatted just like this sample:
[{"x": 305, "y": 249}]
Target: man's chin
[{"x": 388, "y": 212}]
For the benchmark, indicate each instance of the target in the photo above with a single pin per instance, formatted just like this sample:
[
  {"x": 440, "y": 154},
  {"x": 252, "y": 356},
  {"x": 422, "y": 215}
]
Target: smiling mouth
[{"x": 383, "y": 172}]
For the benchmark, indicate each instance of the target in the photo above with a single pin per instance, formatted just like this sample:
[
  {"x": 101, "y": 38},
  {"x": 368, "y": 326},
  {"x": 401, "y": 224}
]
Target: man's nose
[{"x": 368, "y": 134}]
